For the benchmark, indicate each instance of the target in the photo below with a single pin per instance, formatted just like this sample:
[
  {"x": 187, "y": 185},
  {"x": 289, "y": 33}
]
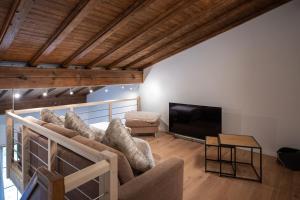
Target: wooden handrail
[
  {"x": 50, "y": 183},
  {"x": 73, "y": 145},
  {"x": 73, "y": 106},
  {"x": 78, "y": 178}
]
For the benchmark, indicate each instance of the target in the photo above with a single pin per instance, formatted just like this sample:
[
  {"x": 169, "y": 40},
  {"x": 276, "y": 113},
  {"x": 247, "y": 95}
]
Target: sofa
[{"x": 162, "y": 182}]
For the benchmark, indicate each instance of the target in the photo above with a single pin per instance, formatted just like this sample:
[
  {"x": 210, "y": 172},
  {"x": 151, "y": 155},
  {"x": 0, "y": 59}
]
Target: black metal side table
[
  {"x": 211, "y": 141},
  {"x": 236, "y": 141}
]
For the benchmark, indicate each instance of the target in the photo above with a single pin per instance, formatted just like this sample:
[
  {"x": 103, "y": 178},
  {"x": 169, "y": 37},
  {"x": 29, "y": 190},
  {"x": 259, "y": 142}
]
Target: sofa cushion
[
  {"x": 73, "y": 121},
  {"x": 125, "y": 173},
  {"x": 50, "y": 117},
  {"x": 140, "y": 123},
  {"x": 61, "y": 130},
  {"x": 118, "y": 137},
  {"x": 145, "y": 148},
  {"x": 149, "y": 117}
]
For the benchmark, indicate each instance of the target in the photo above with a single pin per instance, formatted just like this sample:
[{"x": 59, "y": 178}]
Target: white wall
[{"x": 251, "y": 71}]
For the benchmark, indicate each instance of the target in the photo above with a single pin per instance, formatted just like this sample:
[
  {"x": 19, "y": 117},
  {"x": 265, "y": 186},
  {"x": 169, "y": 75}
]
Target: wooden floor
[{"x": 278, "y": 183}]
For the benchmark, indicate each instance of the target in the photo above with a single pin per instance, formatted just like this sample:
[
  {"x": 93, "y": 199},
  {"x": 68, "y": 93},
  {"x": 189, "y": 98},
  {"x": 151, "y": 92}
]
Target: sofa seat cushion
[
  {"x": 50, "y": 117},
  {"x": 149, "y": 117},
  {"x": 118, "y": 136},
  {"x": 73, "y": 121},
  {"x": 139, "y": 123},
  {"x": 125, "y": 173}
]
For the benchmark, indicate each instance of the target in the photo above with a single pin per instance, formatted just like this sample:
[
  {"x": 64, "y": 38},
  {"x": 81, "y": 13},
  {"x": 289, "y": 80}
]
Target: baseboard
[{"x": 188, "y": 138}]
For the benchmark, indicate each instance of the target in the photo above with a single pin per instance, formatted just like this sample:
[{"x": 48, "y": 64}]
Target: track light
[
  {"x": 91, "y": 91},
  {"x": 17, "y": 95},
  {"x": 45, "y": 93},
  {"x": 71, "y": 92}
]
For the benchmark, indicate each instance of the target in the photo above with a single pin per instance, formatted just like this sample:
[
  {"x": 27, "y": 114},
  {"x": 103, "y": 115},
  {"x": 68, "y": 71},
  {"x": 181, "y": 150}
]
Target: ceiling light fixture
[
  {"x": 45, "y": 93},
  {"x": 17, "y": 95},
  {"x": 123, "y": 87},
  {"x": 91, "y": 90},
  {"x": 106, "y": 90},
  {"x": 71, "y": 92}
]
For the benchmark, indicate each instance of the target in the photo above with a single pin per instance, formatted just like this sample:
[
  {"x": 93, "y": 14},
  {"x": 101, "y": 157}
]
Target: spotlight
[
  {"x": 45, "y": 94},
  {"x": 123, "y": 87},
  {"x": 106, "y": 90},
  {"x": 17, "y": 95},
  {"x": 71, "y": 92},
  {"x": 91, "y": 91},
  {"x": 130, "y": 88}
]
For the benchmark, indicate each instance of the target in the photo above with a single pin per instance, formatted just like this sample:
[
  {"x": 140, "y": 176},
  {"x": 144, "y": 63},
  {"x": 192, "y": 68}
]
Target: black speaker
[{"x": 289, "y": 157}]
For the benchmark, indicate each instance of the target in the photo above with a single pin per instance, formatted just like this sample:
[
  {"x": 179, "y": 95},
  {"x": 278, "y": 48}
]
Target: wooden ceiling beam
[
  {"x": 14, "y": 21},
  {"x": 11, "y": 77},
  {"x": 79, "y": 90},
  {"x": 37, "y": 103},
  {"x": 62, "y": 92},
  {"x": 215, "y": 24},
  {"x": 27, "y": 92},
  {"x": 112, "y": 27},
  {"x": 177, "y": 7},
  {"x": 83, "y": 8},
  {"x": 49, "y": 92},
  {"x": 3, "y": 92}
]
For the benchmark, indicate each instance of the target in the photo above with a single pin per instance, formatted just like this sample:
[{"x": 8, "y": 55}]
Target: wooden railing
[{"x": 105, "y": 162}]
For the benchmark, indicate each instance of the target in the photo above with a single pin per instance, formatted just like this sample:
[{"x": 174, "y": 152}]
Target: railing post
[
  {"x": 110, "y": 111},
  {"x": 25, "y": 156},
  {"x": 52, "y": 150},
  {"x": 138, "y": 103},
  {"x": 111, "y": 179},
  {"x": 9, "y": 144}
]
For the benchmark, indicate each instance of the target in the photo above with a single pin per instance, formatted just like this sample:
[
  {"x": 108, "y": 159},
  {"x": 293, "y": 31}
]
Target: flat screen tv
[{"x": 195, "y": 121}]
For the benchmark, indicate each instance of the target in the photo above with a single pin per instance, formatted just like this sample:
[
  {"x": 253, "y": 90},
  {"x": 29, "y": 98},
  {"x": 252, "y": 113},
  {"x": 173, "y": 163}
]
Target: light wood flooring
[{"x": 278, "y": 183}]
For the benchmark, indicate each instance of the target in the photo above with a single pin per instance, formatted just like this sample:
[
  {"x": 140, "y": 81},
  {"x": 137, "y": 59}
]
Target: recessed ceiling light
[
  {"x": 71, "y": 92},
  {"x": 17, "y": 95}
]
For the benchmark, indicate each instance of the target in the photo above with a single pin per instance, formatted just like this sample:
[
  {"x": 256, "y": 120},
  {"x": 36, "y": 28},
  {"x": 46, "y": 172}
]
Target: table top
[{"x": 238, "y": 140}]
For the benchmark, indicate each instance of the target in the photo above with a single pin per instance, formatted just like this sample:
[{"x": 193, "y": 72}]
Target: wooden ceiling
[
  {"x": 30, "y": 98},
  {"x": 114, "y": 34}
]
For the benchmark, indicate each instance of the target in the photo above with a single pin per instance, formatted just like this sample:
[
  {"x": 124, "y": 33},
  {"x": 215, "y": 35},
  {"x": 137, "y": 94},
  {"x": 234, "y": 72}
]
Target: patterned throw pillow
[
  {"x": 118, "y": 137},
  {"x": 73, "y": 121},
  {"x": 50, "y": 117},
  {"x": 145, "y": 148}
]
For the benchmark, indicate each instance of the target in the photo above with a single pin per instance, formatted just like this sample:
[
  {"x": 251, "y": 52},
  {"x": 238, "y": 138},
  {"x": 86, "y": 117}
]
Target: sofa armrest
[{"x": 163, "y": 182}]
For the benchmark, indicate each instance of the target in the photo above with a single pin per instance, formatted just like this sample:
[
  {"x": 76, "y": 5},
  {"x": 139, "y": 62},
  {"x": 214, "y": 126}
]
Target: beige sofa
[{"x": 163, "y": 182}]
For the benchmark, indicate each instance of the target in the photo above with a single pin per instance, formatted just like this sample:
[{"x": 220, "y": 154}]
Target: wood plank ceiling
[{"x": 114, "y": 34}]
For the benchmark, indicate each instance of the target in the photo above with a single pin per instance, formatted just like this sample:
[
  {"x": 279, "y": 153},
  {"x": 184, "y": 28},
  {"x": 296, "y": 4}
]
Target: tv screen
[{"x": 195, "y": 121}]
